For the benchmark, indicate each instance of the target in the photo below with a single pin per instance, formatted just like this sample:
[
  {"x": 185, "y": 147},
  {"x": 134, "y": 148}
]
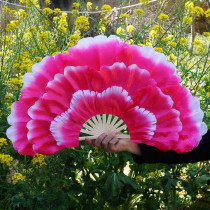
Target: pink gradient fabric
[{"x": 103, "y": 75}]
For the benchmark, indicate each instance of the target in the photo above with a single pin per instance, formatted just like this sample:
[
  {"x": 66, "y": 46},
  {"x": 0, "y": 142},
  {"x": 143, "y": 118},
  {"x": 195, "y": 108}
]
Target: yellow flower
[
  {"x": 21, "y": 14},
  {"x": 82, "y": 23},
  {"x": 139, "y": 12},
  {"x": 76, "y": 5},
  {"x": 106, "y": 8},
  {"x": 120, "y": 31},
  {"x": 3, "y": 141},
  {"x": 144, "y": 1},
  {"x": 184, "y": 62},
  {"x": 57, "y": 11},
  {"x": 13, "y": 13},
  {"x": 75, "y": 12},
  {"x": 163, "y": 16},
  {"x": 5, "y": 10},
  {"x": 206, "y": 34},
  {"x": 55, "y": 53},
  {"x": 6, "y": 159},
  {"x": 38, "y": 160},
  {"x": 74, "y": 38},
  {"x": 47, "y": 2},
  {"x": 17, "y": 177},
  {"x": 131, "y": 41},
  {"x": 130, "y": 28},
  {"x": 201, "y": 50},
  {"x": 44, "y": 36},
  {"x": 173, "y": 44},
  {"x": 139, "y": 178},
  {"x": 168, "y": 38},
  {"x": 103, "y": 21},
  {"x": 89, "y": 5},
  {"x": 183, "y": 41},
  {"x": 158, "y": 49},
  {"x": 190, "y": 7},
  {"x": 7, "y": 97},
  {"x": 196, "y": 42},
  {"x": 47, "y": 11},
  {"x": 190, "y": 66},
  {"x": 187, "y": 20},
  {"x": 102, "y": 29},
  {"x": 159, "y": 29},
  {"x": 124, "y": 16},
  {"x": 207, "y": 13},
  {"x": 147, "y": 43},
  {"x": 199, "y": 11},
  {"x": 12, "y": 25},
  {"x": 172, "y": 58}
]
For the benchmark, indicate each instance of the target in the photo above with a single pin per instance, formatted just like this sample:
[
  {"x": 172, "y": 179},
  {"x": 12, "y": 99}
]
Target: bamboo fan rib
[{"x": 104, "y": 123}]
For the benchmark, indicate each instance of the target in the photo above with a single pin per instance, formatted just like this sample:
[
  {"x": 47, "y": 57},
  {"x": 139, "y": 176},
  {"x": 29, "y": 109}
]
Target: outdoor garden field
[{"x": 86, "y": 177}]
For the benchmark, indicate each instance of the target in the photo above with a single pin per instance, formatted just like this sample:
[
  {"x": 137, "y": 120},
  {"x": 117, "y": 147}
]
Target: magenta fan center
[{"x": 103, "y": 81}]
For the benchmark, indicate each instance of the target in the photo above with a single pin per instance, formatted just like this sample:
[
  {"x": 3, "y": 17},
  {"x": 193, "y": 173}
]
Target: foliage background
[{"x": 85, "y": 177}]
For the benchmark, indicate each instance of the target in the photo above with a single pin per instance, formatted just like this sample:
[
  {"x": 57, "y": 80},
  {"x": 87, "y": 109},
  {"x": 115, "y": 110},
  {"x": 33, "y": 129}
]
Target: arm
[
  {"x": 153, "y": 155},
  {"x": 147, "y": 154}
]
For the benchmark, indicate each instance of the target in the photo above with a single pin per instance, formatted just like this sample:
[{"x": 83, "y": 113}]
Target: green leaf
[
  {"x": 115, "y": 187},
  {"x": 202, "y": 180}
]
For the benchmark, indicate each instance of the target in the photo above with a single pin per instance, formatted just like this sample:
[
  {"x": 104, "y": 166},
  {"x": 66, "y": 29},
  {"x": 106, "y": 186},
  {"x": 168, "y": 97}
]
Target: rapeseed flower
[
  {"x": 196, "y": 42},
  {"x": 183, "y": 41},
  {"x": 89, "y": 5},
  {"x": 200, "y": 49},
  {"x": 76, "y": 5},
  {"x": 75, "y": 12},
  {"x": 6, "y": 159},
  {"x": 74, "y": 38},
  {"x": 106, "y": 8},
  {"x": 172, "y": 58},
  {"x": 163, "y": 16},
  {"x": 82, "y": 23},
  {"x": 3, "y": 141},
  {"x": 187, "y": 20},
  {"x": 206, "y": 34},
  {"x": 173, "y": 44},
  {"x": 12, "y": 25},
  {"x": 130, "y": 28},
  {"x": 17, "y": 177},
  {"x": 168, "y": 38},
  {"x": 144, "y": 1},
  {"x": 21, "y": 14},
  {"x": 190, "y": 7},
  {"x": 47, "y": 11},
  {"x": 124, "y": 16},
  {"x": 47, "y": 2},
  {"x": 139, "y": 12},
  {"x": 199, "y": 11},
  {"x": 5, "y": 10},
  {"x": 120, "y": 31},
  {"x": 207, "y": 13},
  {"x": 158, "y": 49},
  {"x": 38, "y": 160}
]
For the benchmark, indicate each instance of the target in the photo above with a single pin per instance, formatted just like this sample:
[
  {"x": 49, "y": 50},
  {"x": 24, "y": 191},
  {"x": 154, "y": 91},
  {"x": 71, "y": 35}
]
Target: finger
[
  {"x": 100, "y": 139},
  {"x": 114, "y": 141},
  {"x": 105, "y": 142},
  {"x": 90, "y": 141}
]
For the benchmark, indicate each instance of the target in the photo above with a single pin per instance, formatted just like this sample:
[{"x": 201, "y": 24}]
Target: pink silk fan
[{"x": 104, "y": 85}]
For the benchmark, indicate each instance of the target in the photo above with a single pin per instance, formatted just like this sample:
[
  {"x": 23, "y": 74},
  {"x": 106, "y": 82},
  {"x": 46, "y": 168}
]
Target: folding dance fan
[{"x": 104, "y": 85}]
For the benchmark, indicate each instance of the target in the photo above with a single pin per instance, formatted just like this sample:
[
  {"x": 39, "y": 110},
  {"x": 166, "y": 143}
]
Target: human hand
[{"x": 111, "y": 144}]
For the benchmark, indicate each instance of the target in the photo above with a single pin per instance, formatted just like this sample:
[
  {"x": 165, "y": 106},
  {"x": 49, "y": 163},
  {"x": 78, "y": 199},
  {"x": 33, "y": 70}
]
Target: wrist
[{"x": 133, "y": 148}]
